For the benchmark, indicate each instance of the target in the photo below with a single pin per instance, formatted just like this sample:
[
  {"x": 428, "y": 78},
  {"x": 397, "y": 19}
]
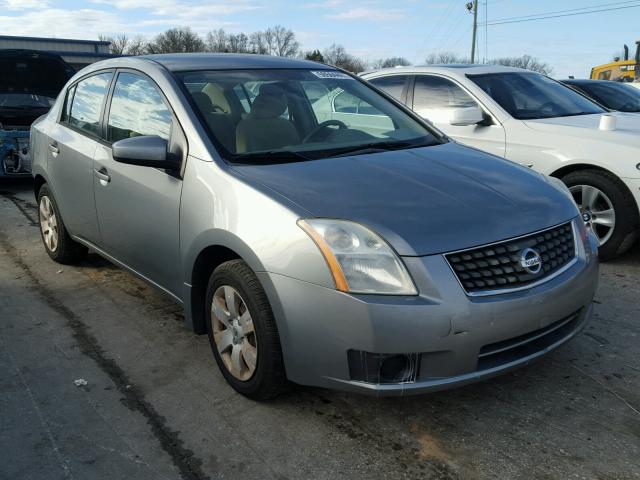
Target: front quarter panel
[{"x": 219, "y": 209}]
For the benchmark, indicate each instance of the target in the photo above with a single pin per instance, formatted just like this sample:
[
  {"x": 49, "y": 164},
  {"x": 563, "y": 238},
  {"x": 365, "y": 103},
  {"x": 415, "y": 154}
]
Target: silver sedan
[{"x": 318, "y": 231}]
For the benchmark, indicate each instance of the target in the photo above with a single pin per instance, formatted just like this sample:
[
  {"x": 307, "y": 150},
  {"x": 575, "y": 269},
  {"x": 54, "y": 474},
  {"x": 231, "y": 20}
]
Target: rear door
[
  {"x": 138, "y": 207},
  {"x": 70, "y": 148},
  {"x": 434, "y": 97}
]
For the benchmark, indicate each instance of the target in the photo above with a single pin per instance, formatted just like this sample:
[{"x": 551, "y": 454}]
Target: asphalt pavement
[{"x": 100, "y": 379}]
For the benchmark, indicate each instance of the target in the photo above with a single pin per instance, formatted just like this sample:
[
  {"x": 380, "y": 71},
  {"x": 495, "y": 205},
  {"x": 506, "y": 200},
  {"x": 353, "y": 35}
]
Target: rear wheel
[
  {"x": 243, "y": 333},
  {"x": 55, "y": 237},
  {"x": 611, "y": 209}
]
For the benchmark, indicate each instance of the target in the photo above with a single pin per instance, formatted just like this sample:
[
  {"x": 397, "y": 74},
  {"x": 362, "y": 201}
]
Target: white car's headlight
[{"x": 360, "y": 261}]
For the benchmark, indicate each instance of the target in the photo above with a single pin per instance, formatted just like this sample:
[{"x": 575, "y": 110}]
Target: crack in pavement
[{"x": 190, "y": 467}]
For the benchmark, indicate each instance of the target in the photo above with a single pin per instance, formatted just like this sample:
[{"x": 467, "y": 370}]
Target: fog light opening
[{"x": 379, "y": 368}]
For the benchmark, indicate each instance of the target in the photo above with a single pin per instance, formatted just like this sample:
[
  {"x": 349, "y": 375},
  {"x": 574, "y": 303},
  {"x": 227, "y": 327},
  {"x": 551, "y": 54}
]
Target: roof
[
  {"x": 228, "y": 61},
  {"x": 55, "y": 40},
  {"x": 455, "y": 69}
]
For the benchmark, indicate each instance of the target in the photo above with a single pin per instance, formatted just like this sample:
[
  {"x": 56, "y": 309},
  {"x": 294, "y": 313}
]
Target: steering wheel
[{"x": 321, "y": 126}]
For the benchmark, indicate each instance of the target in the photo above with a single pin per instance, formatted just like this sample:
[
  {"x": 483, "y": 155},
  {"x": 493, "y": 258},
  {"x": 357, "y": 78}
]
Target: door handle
[
  {"x": 54, "y": 148},
  {"x": 102, "y": 175}
]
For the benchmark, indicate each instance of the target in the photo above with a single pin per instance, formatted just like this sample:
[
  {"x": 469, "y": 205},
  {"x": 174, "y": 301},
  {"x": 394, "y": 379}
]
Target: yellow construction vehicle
[{"x": 621, "y": 70}]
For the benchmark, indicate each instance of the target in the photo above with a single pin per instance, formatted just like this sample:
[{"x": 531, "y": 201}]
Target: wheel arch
[
  {"x": 38, "y": 182},
  {"x": 576, "y": 167},
  {"x": 207, "y": 260}
]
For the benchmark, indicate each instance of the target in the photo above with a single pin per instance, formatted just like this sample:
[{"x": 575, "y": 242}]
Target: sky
[{"x": 370, "y": 29}]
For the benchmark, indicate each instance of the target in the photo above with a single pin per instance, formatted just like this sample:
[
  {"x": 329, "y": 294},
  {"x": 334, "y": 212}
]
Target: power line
[
  {"x": 548, "y": 16},
  {"x": 578, "y": 9}
]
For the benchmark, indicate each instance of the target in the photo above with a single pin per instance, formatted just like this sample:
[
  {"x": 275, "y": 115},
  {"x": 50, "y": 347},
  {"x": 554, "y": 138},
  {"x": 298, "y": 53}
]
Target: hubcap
[
  {"x": 233, "y": 332},
  {"x": 597, "y": 210},
  {"x": 48, "y": 224}
]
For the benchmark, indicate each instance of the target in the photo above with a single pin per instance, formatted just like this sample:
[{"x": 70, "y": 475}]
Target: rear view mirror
[
  {"x": 145, "y": 151},
  {"x": 466, "y": 116}
]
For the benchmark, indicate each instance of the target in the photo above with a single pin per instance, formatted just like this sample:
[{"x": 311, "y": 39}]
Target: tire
[
  {"x": 55, "y": 237},
  {"x": 231, "y": 336},
  {"x": 614, "y": 195}
]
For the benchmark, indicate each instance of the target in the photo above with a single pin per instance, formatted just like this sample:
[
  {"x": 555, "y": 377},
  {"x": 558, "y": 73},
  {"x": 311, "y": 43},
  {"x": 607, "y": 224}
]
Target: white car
[{"x": 538, "y": 122}]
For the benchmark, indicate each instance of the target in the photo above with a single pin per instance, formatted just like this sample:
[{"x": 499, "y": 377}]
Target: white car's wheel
[{"x": 611, "y": 209}]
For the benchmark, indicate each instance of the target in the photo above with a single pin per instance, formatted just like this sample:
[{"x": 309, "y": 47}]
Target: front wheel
[
  {"x": 243, "y": 333},
  {"x": 611, "y": 210}
]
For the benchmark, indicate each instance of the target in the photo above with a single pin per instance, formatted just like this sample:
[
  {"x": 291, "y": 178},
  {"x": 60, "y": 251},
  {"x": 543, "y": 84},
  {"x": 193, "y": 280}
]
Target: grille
[{"x": 498, "y": 266}]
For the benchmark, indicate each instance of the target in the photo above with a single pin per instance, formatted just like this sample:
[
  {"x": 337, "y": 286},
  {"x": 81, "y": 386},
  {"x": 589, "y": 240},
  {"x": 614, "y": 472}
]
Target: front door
[
  {"x": 138, "y": 207},
  {"x": 434, "y": 97}
]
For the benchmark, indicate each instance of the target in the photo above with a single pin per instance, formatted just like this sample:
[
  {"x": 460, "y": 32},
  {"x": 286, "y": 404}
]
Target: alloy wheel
[
  {"x": 233, "y": 332},
  {"x": 48, "y": 224},
  {"x": 602, "y": 216}
]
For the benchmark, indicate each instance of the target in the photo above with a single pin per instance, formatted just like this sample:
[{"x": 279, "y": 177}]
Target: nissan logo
[{"x": 531, "y": 261}]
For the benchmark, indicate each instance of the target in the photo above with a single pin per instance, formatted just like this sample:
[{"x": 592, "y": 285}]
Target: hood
[
  {"x": 33, "y": 71},
  {"x": 587, "y": 127},
  {"x": 422, "y": 201},
  {"x": 24, "y": 73}
]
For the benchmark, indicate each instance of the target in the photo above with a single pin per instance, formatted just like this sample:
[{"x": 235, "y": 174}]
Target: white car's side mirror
[{"x": 466, "y": 116}]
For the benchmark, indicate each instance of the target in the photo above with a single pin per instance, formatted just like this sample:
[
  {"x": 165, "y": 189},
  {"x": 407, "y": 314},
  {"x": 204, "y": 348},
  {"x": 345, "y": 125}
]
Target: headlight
[{"x": 360, "y": 261}]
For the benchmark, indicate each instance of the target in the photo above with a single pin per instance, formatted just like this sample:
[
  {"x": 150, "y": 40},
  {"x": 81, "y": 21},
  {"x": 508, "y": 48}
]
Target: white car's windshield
[
  {"x": 529, "y": 96},
  {"x": 292, "y": 115}
]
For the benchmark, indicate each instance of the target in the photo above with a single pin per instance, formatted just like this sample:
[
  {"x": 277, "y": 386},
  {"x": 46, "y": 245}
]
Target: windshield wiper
[
  {"x": 378, "y": 147},
  {"x": 271, "y": 156}
]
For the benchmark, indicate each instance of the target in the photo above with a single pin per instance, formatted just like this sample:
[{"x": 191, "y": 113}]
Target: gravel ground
[{"x": 155, "y": 406}]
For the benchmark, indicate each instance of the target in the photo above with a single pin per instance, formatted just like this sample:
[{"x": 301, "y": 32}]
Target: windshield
[
  {"x": 25, "y": 100},
  {"x": 529, "y": 96},
  {"x": 615, "y": 96},
  {"x": 293, "y": 115}
]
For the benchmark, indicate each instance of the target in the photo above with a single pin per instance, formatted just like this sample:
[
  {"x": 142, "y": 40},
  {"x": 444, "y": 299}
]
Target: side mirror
[
  {"x": 145, "y": 151},
  {"x": 466, "y": 116}
]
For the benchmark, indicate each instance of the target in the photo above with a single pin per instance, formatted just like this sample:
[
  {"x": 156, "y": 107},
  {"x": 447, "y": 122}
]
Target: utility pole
[{"x": 473, "y": 7}]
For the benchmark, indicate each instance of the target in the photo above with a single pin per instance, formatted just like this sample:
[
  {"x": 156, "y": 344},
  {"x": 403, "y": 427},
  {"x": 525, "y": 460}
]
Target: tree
[
  {"x": 314, "y": 56},
  {"x": 217, "y": 41},
  {"x": 445, "y": 58},
  {"x": 117, "y": 45},
  {"x": 138, "y": 45},
  {"x": 177, "y": 40},
  {"x": 391, "y": 62},
  {"x": 337, "y": 55},
  {"x": 281, "y": 41},
  {"x": 525, "y": 61}
]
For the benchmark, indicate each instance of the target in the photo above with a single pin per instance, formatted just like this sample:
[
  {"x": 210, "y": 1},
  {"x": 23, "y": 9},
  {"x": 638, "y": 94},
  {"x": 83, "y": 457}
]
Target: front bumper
[{"x": 450, "y": 331}]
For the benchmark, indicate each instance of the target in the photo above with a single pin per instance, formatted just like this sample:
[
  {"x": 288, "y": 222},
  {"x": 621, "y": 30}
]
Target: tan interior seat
[
  {"x": 221, "y": 124},
  {"x": 264, "y": 128}
]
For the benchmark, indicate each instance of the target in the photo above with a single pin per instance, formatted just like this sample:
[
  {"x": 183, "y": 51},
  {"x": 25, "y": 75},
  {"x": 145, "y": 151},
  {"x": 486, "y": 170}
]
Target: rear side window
[
  {"x": 86, "y": 105},
  {"x": 66, "y": 109},
  {"x": 436, "y": 93},
  {"x": 393, "y": 85},
  {"x": 137, "y": 108}
]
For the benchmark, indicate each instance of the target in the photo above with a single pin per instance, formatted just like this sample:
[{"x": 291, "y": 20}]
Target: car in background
[
  {"x": 616, "y": 96},
  {"x": 364, "y": 252},
  {"x": 29, "y": 85},
  {"x": 538, "y": 122}
]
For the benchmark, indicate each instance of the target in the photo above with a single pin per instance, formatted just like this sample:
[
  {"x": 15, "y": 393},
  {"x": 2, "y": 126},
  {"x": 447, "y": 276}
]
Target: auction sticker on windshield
[{"x": 332, "y": 74}]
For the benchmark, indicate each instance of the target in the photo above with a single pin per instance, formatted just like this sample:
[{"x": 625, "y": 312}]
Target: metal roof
[{"x": 54, "y": 40}]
